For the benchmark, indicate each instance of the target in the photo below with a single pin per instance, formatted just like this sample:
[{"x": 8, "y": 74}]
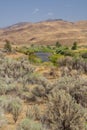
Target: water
[{"x": 44, "y": 56}]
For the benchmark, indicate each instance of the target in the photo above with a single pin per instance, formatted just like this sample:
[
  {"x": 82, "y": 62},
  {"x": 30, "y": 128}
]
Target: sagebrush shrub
[
  {"x": 64, "y": 113},
  {"x": 33, "y": 112},
  {"x": 76, "y": 87},
  {"x": 28, "y": 124},
  {"x": 39, "y": 91},
  {"x": 73, "y": 63},
  {"x": 15, "y": 107},
  {"x": 3, "y": 120}
]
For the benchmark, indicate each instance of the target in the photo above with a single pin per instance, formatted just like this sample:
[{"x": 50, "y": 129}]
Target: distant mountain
[{"x": 45, "y": 32}]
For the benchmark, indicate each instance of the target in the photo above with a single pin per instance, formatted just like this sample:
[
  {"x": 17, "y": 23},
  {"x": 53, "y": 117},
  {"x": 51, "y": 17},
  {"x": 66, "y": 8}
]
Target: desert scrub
[
  {"x": 33, "y": 112},
  {"x": 28, "y": 124},
  {"x": 15, "y": 108},
  {"x": 13, "y": 89},
  {"x": 76, "y": 63},
  {"x": 3, "y": 120},
  {"x": 63, "y": 113},
  {"x": 65, "y": 61},
  {"x": 39, "y": 91},
  {"x": 36, "y": 111},
  {"x": 79, "y": 93},
  {"x": 15, "y": 69},
  {"x": 28, "y": 97},
  {"x": 7, "y": 88},
  {"x": 20, "y": 72},
  {"x": 3, "y": 87},
  {"x": 30, "y": 113},
  {"x": 38, "y": 79},
  {"x": 34, "y": 78},
  {"x": 4, "y": 102},
  {"x": 11, "y": 105},
  {"x": 75, "y": 86}
]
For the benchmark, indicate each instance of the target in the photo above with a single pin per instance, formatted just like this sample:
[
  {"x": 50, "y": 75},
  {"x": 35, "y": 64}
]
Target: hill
[{"x": 47, "y": 32}]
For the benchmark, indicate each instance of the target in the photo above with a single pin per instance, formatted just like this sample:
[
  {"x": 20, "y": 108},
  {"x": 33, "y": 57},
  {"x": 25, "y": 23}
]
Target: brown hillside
[{"x": 47, "y": 32}]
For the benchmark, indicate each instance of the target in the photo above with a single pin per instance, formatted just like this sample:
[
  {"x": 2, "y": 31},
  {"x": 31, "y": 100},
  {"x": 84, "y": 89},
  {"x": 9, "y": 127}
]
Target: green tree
[
  {"x": 58, "y": 44},
  {"x": 74, "y": 46},
  {"x": 7, "y": 46}
]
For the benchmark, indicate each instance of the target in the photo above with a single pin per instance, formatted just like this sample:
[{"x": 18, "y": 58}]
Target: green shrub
[
  {"x": 61, "y": 50},
  {"x": 74, "y": 46},
  {"x": 84, "y": 55},
  {"x": 55, "y": 57},
  {"x": 34, "y": 59},
  {"x": 7, "y": 46},
  {"x": 58, "y": 44}
]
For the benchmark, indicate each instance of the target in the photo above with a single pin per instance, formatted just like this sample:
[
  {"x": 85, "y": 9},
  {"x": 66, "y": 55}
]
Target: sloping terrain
[{"x": 47, "y": 32}]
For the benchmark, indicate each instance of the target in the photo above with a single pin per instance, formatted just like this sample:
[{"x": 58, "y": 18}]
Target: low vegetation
[
  {"x": 28, "y": 124},
  {"x": 36, "y": 95},
  {"x": 63, "y": 113}
]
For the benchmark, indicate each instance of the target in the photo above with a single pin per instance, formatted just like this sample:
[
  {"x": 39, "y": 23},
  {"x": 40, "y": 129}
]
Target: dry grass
[
  {"x": 15, "y": 55},
  {"x": 47, "y": 32}
]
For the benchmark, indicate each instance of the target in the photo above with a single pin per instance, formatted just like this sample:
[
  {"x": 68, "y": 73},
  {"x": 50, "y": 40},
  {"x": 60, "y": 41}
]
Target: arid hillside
[{"x": 47, "y": 32}]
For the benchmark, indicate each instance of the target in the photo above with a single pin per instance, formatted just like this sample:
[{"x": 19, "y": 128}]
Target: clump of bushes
[
  {"x": 66, "y": 97},
  {"x": 63, "y": 113},
  {"x": 75, "y": 86},
  {"x": 55, "y": 57},
  {"x": 61, "y": 50},
  {"x": 17, "y": 76},
  {"x": 15, "y": 69},
  {"x": 34, "y": 59},
  {"x": 73, "y": 63}
]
